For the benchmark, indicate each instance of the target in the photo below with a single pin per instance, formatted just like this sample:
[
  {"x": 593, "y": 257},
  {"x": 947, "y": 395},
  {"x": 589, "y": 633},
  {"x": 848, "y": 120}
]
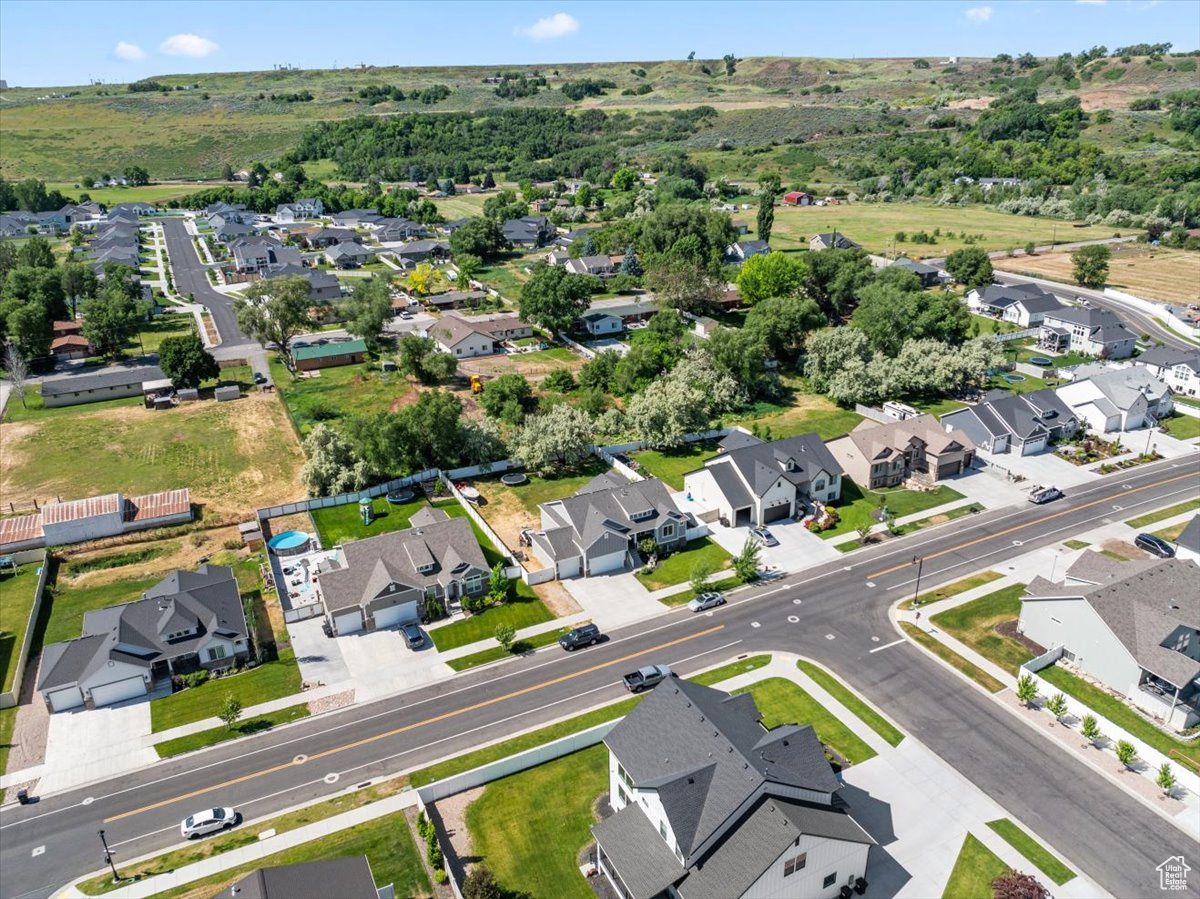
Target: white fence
[
  {"x": 1163, "y": 313},
  {"x": 577, "y": 346},
  {"x": 342, "y": 499},
  {"x": 1017, "y": 335},
  {"x": 9, "y": 699},
  {"x": 478, "y": 519},
  {"x": 541, "y": 576},
  {"x": 473, "y": 471},
  {"x": 302, "y": 613}
]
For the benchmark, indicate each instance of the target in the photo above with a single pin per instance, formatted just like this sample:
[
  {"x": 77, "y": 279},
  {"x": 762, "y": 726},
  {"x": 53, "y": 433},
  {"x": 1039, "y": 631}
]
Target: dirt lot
[
  {"x": 1168, "y": 276},
  {"x": 534, "y": 366}
]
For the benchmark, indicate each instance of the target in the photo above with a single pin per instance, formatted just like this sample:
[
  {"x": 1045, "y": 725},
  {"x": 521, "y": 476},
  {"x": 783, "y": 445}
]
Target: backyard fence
[
  {"x": 9, "y": 699},
  {"x": 342, "y": 499},
  {"x": 1017, "y": 335},
  {"x": 577, "y": 346},
  {"x": 477, "y": 518}
]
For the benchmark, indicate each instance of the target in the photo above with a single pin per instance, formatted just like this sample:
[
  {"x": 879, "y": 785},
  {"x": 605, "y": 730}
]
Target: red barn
[{"x": 797, "y": 198}]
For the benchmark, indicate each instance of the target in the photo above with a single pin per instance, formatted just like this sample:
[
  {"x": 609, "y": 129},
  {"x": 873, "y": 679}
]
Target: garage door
[
  {"x": 61, "y": 700},
  {"x": 129, "y": 688},
  {"x": 569, "y": 567},
  {"x": 610, "y": 562},
  {"x": 774, "y": 513},
  {"x": 348, "y": 622},
  {"x": 405, "y": 613}
]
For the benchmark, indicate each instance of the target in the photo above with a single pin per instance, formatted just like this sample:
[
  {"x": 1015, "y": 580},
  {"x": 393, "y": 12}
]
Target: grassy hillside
[{"x": 206, "y": 121}]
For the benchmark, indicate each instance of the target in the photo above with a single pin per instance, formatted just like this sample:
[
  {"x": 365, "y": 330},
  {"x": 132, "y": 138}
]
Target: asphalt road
[
  {"x": 841, "y": 620},
  {"x": 191, "y": 278}
]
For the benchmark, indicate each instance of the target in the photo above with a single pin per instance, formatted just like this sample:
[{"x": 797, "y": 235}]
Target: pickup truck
[{"x": 644, "y": 678}]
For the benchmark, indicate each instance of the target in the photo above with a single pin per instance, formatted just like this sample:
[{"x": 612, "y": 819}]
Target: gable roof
[
  {"x": 603, "y": 509},
  {"x": 1189, "y": 537},
  {"x": 327, "y": 350},
  {"x": 1102, "y": 325},
  {"x": 102, "y": 381},
  {"x": 843, "y": 242},
  {"x": 875, "y": 440},
  {"x": 1124, "y": 386},
  {"x": 761, "y": 465},
  {"x": 453, "y": 330},
  {"x": 348, "y": 877}
]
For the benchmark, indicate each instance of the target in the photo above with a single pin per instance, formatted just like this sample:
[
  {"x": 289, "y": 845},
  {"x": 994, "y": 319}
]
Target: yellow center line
[
  {"x": 399, "y": 730},
  {"x": 1018, "y": 527}
]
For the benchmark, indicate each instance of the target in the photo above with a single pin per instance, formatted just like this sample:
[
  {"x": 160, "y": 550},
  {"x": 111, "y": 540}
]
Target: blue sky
[{"x": 47, "y": 43}]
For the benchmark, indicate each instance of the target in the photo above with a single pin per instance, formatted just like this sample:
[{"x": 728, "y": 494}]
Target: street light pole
[
  {"x": 108, "y": 857},
  {"x": 919, "y": 561}
]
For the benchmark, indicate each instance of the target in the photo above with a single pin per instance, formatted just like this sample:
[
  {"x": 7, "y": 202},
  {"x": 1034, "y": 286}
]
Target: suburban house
[
  {"x": 1132, "y": 625},
  {"x": 352, "y": 217},
  {"x": 599, "y": 528},
  {"x": 557, "y": 257},
  {"x": 253, "y": 255},
  {"x": 565, "y": 240},
  {"x": 1178, "y": 369},
  {"x": 1022, "y": 423},
  {"x": 754, "y": 483},
  {"x": 1117, "y": 399},
  {"x": 78, "y": 520},
  {"x": 329, "y": 355},
  {"x": 71, "y": 346},
  {"x": 466, "y": 337},
  {"x": 309, "y": 208},
  {"x": 929, "y": 275},
  {"x": 878, "y": 455},
  {"x": 187, "y": 621},
  {"x": 834, "y": 241},
  {"x": 708, "y": 802},
  {"x": 1025, "y": 305},
  {"x": 1187, "y": 544},
  {"x": 393, "y": 230},
  {"x": 330, "y": 237},
  {"x": 590, "y": 265},
  {"x": 230, "y": 230},
  {"x": 601, "y": 320},
  {"x": 422, "y": 250},
  {"x": 456, "y": 299},
  {"x": 737, "y": 253},
  {"x": 348, "y": 877},
  {"x": 1096, "y": 332},
  {"x": 348, "y": 254},
  {"x": 528, "y": 231},
  {"x": 383, "y": 581},
  {"x": 324, "y": 285},
  {"x": 135, "y": 207},
  {"x": 109, "y": 385},
  {"x": 797, "y": 198}
]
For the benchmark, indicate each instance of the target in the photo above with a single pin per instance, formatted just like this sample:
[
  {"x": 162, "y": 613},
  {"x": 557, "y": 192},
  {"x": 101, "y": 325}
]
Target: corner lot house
[
  {"x": 1178, "y": 369},
  {"x": 1133, "y": 626},
  {"x": 1021, "y": 423},
  {"x": 190, "y": 620},
  {"x": 1096, "y": 332},
  {"x": 465, "y": 337},
  {"x": 112, "y": 385},
  {"x": 1025, "y": 305},
  {"x": 598, "y": 529},
  {"x": 328, "y": 355},
  {"x": 1118, "y": 399},
  {"x": 383, "y": 581},
  {"x": 886, "y": 455},
  {"x": 707, "y": 802},
  {"x": 755, "y": 483}
]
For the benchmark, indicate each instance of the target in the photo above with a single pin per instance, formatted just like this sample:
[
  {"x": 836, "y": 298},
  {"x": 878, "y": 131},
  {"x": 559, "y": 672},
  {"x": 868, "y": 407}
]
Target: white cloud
[
  {"x": 188, "y": 45},
  {"x": 128, "y": 52},
  {"x": 1091, "y": 2},
  {"x": 979, "y": 13},
  {"x": 558, "y": 25}
]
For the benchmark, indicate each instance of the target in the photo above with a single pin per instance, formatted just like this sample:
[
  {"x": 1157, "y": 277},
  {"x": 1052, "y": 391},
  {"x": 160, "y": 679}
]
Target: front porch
[{"x": 1178, "y": 707}]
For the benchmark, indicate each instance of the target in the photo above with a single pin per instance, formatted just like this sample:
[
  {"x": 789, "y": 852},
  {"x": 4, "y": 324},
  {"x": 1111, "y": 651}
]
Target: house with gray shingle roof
[
  {"x": 1077, "y": 329},
  {"x": 187, "y": 621},
  {"x": 709, "y": 802},
  {"x": 349, "y": 254},
  {"x": 1117, "y": 399},
  {"x": 1134, "y": 626},
  {"x": 1178, "y": 369},
  {"x": 878, "y": 455},
  {"x": 1187, "y": 544},
  {"x": 1020, "y": 423},
  {"x": 757, "y": 482}
]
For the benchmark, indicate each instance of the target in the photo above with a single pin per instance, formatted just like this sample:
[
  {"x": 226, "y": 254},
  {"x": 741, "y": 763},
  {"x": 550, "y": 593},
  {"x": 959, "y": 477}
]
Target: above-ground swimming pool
[
  {"x": 1040, "y": 360},
  {"x": 289, "y": 543},
  {"x": 399, "y": 497},
  {"x": 1014, "y": 379},
  {"x": 513, "y": 479}
]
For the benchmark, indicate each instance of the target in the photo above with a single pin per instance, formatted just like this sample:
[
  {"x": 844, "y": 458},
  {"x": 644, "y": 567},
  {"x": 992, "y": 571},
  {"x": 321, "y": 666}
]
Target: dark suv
[
  {"x": 587, "y": 635},
  {"x": 1156, "y": 546}
]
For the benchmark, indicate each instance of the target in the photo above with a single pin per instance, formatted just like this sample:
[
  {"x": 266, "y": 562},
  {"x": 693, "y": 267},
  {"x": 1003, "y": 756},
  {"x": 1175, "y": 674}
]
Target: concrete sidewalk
[{"x": 906, "y": 519}]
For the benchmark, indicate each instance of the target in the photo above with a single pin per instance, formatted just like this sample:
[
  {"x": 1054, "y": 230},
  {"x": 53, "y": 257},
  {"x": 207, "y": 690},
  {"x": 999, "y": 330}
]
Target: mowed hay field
[
  {"x": 233, "y": 456},
  {"x": 874, "y": 225},
  {"x": 1169, "y": 276}
]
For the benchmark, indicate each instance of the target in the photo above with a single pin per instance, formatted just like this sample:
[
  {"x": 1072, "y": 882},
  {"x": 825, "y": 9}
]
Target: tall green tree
[
  {"x": 766, "y": 207},
  {"x": 419, "y": 357},
  {"x": 367, "y": 310},
  {"x": 894, "y": 309},
  {"x": 29, "y": 328},
  {"x": 36, "y": 253},
  {"x": 835, "y": 278},
  {"x": 553, "y": 297},
  {"x": 784, "y": 322},
  {"x": 78, "y": 283},
  {"x": 111, "y": 320},
  {"x": 480, "y": 237},
  {"x": 970, "y": 266},
  {"x": 507, "y": 397},
  {"x": 1090, "y": 265},
  {"x": 274, "y": 311},
  {"x": 771, "y": 275},
  {"x": 185, "y": 360}
]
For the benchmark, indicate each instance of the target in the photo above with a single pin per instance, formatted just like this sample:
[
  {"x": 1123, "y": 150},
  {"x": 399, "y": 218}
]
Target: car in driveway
[
  {"x": 1156, "y": 546},
  {"x": 585, "y": 635},
  {"x": 211, "y": 820},
  {"x": 764, "y": 536},
  {"x": 709, "y": 600},
  {"x": 413, "y": 636},
  {"x": 260, "y": 378},
  {"x": 1041, "y": 495}
]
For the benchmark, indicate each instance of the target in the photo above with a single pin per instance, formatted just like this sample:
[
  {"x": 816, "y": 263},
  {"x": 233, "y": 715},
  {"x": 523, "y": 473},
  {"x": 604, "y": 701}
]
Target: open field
[
  {"x": 234, "y": 456},
  {"x": 804, "y": 413},
  {"x": 340, "y": 392},
  {"x": 1153, "y": 273},
  {"x": 146, "y": 193}
]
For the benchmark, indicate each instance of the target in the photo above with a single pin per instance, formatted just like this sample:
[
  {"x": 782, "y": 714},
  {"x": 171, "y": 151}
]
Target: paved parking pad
[
  {"x": 91, "y": 744},
  {"x": 381, "y": 663},
  {"x": 319, "y": 657}
]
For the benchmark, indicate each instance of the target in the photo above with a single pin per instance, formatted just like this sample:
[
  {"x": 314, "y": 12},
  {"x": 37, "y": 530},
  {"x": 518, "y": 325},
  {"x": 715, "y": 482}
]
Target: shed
[
  {"x": 251, "y": 534},
  {"x": 188, "y": 395},
  {"x": 228, "y": 392}
]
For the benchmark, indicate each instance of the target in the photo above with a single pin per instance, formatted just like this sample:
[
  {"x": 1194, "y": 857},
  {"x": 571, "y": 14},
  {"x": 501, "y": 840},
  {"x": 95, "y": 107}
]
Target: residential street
[
  {"x": 836, "y": 614},
  {"x": 191, "y": 280}
]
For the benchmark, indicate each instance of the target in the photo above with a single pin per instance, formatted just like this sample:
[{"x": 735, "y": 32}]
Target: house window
[
  {"x": 662, "y": 829},
  {"x": 624, "y": 775},
  {"x": 830, "y": 880},
  {"x": 668, "y": 530},
  {"x": 820, "y": 485},
  {"x": 797, "y": 863},
  {"x": 474, "y": 583},
  {"x": 216, "y": 652}
]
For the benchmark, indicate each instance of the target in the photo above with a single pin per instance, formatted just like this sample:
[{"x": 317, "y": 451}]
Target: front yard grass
[
  {"x": 222, "y": 734},
  {"x": 784, "y": 702},
  {"x": 18, "y": 590},
  {"x": 974, "y": 623},
  {"x": 974, "y": 870},
  {"x": 940, "y": 518},
  {"x": 1076, "y": 544},
  {"x": 8, "y": 723},
  {"x": 677, "y": 567},
  {"x": 669, "y": 466},
  {"x": 969, "y": 583},
  {"x": 523, "y": 609},
  {"x": 686, "y": 596},
  {"x": 1163, "y": 514},
  {"x": 519, "y": 646},
  {"x": 852, "y": 701},
  {"x": 530, "y": 826},
  {"x": 268, "y": 681},
  {"x": 1181, "y": 427},
  {"x": 1032, "y": 850},
  {"x": 1116, "y": 711},
  {"x": 733, "y": 669},
  {"x": 946, "y": 654},
  {"x": 856, "y": 505}
]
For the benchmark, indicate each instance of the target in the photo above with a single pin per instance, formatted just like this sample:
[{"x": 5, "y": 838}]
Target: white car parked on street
[{"x": 208, "y": 821}]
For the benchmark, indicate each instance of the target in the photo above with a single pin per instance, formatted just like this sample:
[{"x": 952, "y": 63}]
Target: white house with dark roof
[
  {"x": 1132, "y": 625},
  {"x": 737, "y": 253},
  {"x": 308, "y": 208},
  {"x": 1078, "y": 329},
  {"x": 1178, "y": 369},
  {"x": 832, "y": 241},
  {"x": 467, "y": 337},
  {"x": 754, "y": 483},
  {"x": 189, "y": 620},
  {"x": 707, "y": 802},
  {"x": 1025, "y": 305},
  {"x": 1005, "y": 422},
  {"x": 1117, "y": 399}
]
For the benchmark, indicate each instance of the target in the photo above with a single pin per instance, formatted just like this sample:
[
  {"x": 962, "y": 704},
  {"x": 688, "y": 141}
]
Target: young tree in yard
[
  {"x": 745, "y": 563},
  {"x": 970, "y": 266},
  {"x": 1016, "y": 885},
  {"x": 423, "y": 279},
  {"x": 771, "y": 275},
  {"x": 1030, "y": 248},
  {"x": 553, "y": 297},
  {"x": 504, "y": 635},
  {"x": 274, "y": 311},
  {"x": 18, "y": 371},
  {"x": 1027, "y": 690},
  {"x": 1091, "y": 730},
  {"x": 1166, "y": 778},
  {"x": 701, "y": 571},
  {"x": 481, "y": 883},
  {"x": 1090, "y": 265},
  {"x": 630, "y": 265},
  {"x": 1126, "y": 753},
  {"x": 497, "y": 584},
  {"x": 230, "y": 711},
  {"x": 559, "y": 438},
  {"x": 864, "y": 533},
  {"x": 186, "y": 362},
  {"x": 111, "y": 320},
  {"x": 1056, "y": 705},
  {"x": 331, "y": 465},
  {"x": 468, "y": 265},
  {"x": 507, "y": 397},
  {"x": 367, "y": 310}
]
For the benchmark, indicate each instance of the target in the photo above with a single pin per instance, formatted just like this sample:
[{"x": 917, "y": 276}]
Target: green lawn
[
  {"x": 677, "y": 567},
  {"x": 1163, "y": 514},
  {"x": 807, "y": 413},
  {"x": 342, "y": 524},
  {"x": 857, "y": 504},
  {"x": 784, "y": 702},
  {"x": 222, "y": 734},
  {"x": 974, "y": 623},
  {"x": 1076, "y": 544},
  {"x": 8, "y": 722},
  {"x": 18, "y": 590},
  {"x": 339, "y": 393},
  {"x": 671, "y": 465},
  {"x": 523, "y": 609},
  {"x": 159, "y": 328},
  {"x": 679, "y": 599},
  {"x": 940, "y": 518},
  {"x": 530, "y": 826},
  {"x": 1102, "y": 703},
  {"x": 1032, "y": 850},
  {"x": 540, "y": 488},
  {"x": 946, "y": 654},
  {"x": 852, "y": 701},
  {"x": 557, "y": 356},
  {"x": 970, "y": 583},
  {"x": 733, "y": 669},
  {"x": 1182, "y": 427},
  {"x": 268, "y": 681},
  {"x": 1062, "y": 360},
  {"x": 988, "y": 325},
  {"x": 68, "y": 603},
  {"x": 974, "y": 870},
  {"x": 496, "y": 653}
]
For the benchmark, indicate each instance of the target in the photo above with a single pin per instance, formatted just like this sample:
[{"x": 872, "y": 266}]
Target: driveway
[
  {"x": 798, "y": 547},
  {"x": 380, "y": 663},
  {"x": 613, "y": 600},
  {"x": 1041, "y": 468},
  {"x": 319, "y": 657},
  {"x": 91, "y": 744}
]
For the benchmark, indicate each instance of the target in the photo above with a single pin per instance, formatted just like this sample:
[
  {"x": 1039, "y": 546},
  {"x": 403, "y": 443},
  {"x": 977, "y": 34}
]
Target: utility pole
[
  {"x": 108, "y": 857},
  {"x": 919, "y": 561}
]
